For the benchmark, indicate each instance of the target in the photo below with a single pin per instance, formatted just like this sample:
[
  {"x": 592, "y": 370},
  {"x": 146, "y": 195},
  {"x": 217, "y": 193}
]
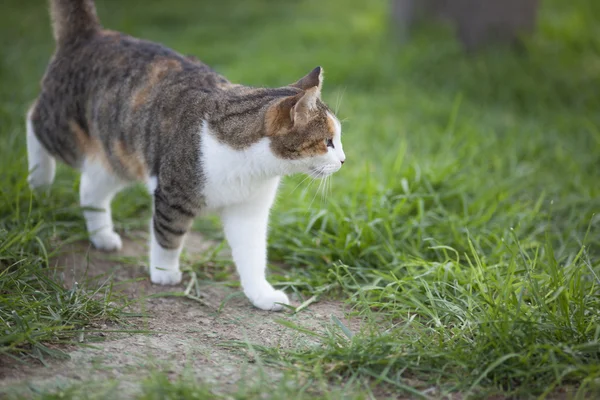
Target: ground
[
  {"x": 455, "y": 255},
  {"x": 203, "y": 336}
]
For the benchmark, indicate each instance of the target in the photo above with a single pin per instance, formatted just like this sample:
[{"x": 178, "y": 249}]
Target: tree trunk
[{"x": 478, "y": 21}]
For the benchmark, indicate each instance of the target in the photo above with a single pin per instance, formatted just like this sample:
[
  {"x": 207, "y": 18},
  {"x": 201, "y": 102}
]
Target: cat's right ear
[{"x": 313, "y": 79}]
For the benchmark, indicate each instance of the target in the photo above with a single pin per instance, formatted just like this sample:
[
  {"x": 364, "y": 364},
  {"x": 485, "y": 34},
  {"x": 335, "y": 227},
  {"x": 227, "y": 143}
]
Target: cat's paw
[
  {"x": 165, "y": 276},
  {"x": 39, "y": 180},
  {"x": 107, "y": 241},
  {"x": 268, "y": 300}
]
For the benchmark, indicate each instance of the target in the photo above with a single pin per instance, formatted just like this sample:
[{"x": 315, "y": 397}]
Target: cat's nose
[{"x": 342, "y": 161}]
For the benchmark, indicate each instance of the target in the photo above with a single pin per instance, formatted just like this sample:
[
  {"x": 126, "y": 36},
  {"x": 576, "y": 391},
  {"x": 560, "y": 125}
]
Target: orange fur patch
[
  {"x": 313, "y": 149},
  {"x": 132, "y": 162},
  {"x": 90, "y": 146},
  {"x": 331, "y": 125},
  {"x": 277, "y": 118},
  {"x": 158, "y": 70},
  {"x": 110, "y": 34}
]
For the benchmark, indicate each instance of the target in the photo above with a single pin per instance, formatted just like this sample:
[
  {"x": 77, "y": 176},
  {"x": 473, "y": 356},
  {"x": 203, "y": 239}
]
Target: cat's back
[
  {"x": 114, "y": 95},
  {"x": 111, "y": 58}
]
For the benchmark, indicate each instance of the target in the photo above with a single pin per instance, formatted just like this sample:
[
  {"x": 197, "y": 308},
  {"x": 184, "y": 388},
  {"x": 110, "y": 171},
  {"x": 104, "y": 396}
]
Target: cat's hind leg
[
  {"x": 42, "y": 166},
  {"x": 97, "y": 188}
]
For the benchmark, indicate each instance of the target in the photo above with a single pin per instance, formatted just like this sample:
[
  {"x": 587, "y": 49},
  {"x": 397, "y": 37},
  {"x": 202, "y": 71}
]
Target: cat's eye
[{"x": 329, "y": 143}]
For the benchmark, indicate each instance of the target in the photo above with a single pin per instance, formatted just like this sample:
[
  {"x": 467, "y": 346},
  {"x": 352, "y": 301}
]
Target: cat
[{"x": 124, "y": 110}]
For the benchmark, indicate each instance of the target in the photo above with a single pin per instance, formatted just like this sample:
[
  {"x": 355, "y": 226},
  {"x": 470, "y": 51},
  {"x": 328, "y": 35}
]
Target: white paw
[
  {"x": 165, "y": 276},
  {"x": 40, "y": 179},
  {"x": 107, "y": 240},
  {"x": 36, "y": 182},
  {"x": 268, "y": 299}
]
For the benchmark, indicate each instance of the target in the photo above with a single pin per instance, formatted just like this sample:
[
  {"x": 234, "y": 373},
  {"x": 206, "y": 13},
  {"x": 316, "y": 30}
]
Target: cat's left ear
[
  {"x": 313, "y": 79},
  {"x": 303, "y": 109}
]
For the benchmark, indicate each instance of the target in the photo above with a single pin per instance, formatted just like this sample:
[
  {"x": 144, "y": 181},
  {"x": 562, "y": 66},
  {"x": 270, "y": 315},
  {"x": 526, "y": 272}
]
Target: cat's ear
[
  {"x": 301, "y": 111},
  {"x": 313, "y": 79},
  {"x": 293, "y": 110}
]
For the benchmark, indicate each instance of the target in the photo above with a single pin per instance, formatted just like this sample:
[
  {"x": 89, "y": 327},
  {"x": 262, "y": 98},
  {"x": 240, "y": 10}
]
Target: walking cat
[{"x": 122, "y": 110}]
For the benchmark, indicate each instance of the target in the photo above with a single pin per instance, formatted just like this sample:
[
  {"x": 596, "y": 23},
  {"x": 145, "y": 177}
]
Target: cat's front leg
[
  {"x": 245, "y": 227},
  {"x": 171, "y": 220}
]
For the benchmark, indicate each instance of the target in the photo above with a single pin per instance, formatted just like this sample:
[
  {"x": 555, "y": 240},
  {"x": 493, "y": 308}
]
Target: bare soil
[{"x": 179, "y": 333}]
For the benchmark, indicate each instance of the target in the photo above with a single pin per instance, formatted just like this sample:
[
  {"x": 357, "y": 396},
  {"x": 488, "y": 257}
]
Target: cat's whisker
[
  {"x": 325, "y": 195},
  {"x": 338, "y": 103},
  {"x": 308, "y": 186},
  {"x": 322, "y": 192},
  {"x": 324, "y": 188},
  {"x": 313, "y": 199},
  {"x": 319, "y": 188},
  {"x": 327, "y": 188},
  {"x": 301, "y": 182},
  {"x": 312, "y": 175},
  {"x": 314, "y": 196}
]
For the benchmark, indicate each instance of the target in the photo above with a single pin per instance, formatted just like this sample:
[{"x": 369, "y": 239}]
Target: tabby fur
[{"x": 122, "y": 110}]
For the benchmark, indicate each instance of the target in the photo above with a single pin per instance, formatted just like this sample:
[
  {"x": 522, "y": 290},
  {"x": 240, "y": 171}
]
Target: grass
[
  {"x": 36, "y": 311},
  {"x": 463, "y": 229}
]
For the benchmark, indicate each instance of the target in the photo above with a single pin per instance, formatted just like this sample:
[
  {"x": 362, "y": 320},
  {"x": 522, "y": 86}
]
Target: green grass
[
  {"x": 463, "y": 227},
  {"x": 158, "y": 386},
  {"x": 36, "y": 310}
]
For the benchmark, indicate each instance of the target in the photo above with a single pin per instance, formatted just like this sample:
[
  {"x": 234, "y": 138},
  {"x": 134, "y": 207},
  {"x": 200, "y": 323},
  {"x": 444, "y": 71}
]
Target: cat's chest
[
  {"x": 232, "y": 176},
  {"x": 220, "y": 193}
]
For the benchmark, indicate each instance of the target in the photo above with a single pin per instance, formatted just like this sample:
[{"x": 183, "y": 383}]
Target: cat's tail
[{"x": 73, "y": 19}]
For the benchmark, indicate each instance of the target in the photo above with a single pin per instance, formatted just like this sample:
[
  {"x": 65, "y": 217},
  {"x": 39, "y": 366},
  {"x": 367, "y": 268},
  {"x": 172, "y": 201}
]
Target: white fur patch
[
  {"x": 42, "y": 165},
  {"x": 152, "y": 184},
  {"x": 235, "y": 176},
  {"x": 96, "y": 190},
  {"x": 164, "y": 263},
  {"x": 332, "y": 161},
  {"x": 241, "y": 185}
]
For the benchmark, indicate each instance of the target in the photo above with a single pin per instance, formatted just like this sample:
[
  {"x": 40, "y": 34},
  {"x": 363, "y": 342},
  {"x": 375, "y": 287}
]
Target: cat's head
[{"x": 305, "y": 131}]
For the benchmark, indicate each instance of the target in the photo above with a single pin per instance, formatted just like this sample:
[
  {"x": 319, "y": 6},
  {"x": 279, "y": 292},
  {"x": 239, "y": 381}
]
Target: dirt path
[{"x": 184, "y": 333}]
